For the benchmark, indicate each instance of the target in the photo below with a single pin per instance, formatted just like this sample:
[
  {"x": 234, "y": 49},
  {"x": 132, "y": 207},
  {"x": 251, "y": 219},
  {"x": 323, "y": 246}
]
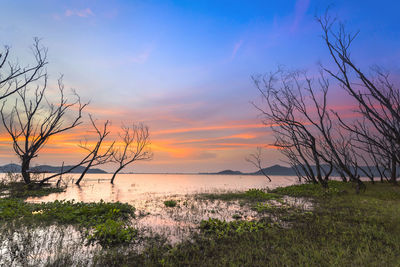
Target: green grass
[
  {"x": 22, "y": 190},
  {"x": 314, "y": 190},
  {"x": 105, "y": 223},
  {"x": 219, "y": 229},
  {"x": 249, "y": 195},
  {"x": 64, "y": 212},
  {"x": 344, "y": 229}
]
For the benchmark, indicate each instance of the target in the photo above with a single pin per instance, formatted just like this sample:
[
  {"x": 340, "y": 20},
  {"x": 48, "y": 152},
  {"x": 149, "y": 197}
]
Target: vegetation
[
  {"x": 64, "y": 212},
  {"x": 105, "y": 223},
  {"x": 249, "y": 195},
  {"x": 112, "y": 233},
  {"x": 170, "y": 203},
  {"x": 221, "y": 229},
  {"x": 310, "y": 190},
  {"x": 22, "y": 190},
  {"x": 343, "y": 229}
]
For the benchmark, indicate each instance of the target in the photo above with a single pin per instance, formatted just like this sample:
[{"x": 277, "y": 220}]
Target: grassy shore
[{"x": 342, "y": 228}]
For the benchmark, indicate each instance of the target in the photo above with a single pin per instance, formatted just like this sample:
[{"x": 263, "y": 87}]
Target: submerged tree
[
  {"x": 256, "y": 159},
  {"x": 135, "y": 146},
  {"x": 14, "y": 77},
  {"x": 33, "y": 120},
  {"x": 98, "y": 155}
]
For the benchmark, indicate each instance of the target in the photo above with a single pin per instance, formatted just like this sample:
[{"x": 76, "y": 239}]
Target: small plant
[
  {"x": 236, "y": 216},
  {"x": 249, "y": 195},
  {"x": 223, "y": 229},
  {"x": 112, "y": 233},
  {"x": 258, "y": 194},
  {"x": 313, "y": 190},
  {"x": 170, "y": 203}
]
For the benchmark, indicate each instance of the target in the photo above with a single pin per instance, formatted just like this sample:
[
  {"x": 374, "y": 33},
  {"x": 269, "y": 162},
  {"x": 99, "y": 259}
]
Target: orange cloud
[{"x": 209, "y": 128}]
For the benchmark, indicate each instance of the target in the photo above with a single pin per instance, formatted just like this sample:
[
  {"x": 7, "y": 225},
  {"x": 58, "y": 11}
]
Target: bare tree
[
  {"x": 32, "y": 121},
  {"x": 300, "y": 134},
  {"x": 256, "y": 160},
  {"x": 135, "y": 147},
  {"x": 14, "y": 77},
  {"x": 378, "y": 98},
  {"x": 97, "y": 156}
]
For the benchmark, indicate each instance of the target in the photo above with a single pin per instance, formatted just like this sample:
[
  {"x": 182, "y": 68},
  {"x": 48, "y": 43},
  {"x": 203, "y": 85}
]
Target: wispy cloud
[
  {"x": 236, "y": 48},
  {"x": 83, "y": 13},
  {"x": 143, "y": 56},
  {"x": 300, "y": 9}
]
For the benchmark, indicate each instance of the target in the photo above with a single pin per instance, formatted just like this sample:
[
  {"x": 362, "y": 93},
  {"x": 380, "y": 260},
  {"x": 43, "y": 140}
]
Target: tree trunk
[
  {"x": 25, "y": 170},
  {"x": 393, "y": 171},
  {"x": 83, "y": 173},
  {"x": 115, "y": 174}
]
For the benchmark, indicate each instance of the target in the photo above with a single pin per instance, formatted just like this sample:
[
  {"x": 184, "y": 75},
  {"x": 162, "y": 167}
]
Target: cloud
[
  {"x": 236, "y": 48},
  {"x": 143, "y": 56},
  {"x": 300, "y": 9},
  {"x": 82, "y": 13},
  {"x": 210, "y": 128}
]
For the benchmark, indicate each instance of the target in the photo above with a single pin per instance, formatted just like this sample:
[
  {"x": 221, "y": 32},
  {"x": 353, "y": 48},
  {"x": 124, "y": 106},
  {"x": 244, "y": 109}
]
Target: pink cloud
[
  {"x": 300, "y": 9},
  {"x": 142, "y": 57},
  {"x": 236, "y": 48},
  {"x": 83, "y": 13}
]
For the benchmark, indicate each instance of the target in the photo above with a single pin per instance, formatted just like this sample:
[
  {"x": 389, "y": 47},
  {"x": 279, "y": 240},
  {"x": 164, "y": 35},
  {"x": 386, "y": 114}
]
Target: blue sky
[{"x": 184, "y": 67}]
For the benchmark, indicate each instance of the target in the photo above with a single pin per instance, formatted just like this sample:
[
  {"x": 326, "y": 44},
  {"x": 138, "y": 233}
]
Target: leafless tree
[
  {"x": 135, "y": 146},
  {"x": 97, "y": 155},
  {"x": 14, "y": 77},
  {"x": 378, "y": 98},
  {"x": 299, "y": 133},
  {"x": 256, "y": 160},
  {"x": 33, "y": 120}
]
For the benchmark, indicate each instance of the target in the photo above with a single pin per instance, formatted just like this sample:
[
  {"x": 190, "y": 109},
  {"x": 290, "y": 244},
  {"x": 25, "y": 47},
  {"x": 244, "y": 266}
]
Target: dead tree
[
  {"x": 256, "y": 160},
  {"x": 14, "y": 77},
  {"x": 298, "y": 134},
  {"x": 378, "y": 98},
  {"x": 135, "y": 146},
  {"x": 33, "y": 120},
  {"x": 97, "y": 155}
]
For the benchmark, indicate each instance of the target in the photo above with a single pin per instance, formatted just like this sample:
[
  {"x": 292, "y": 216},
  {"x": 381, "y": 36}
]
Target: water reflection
[
  {"x": 132, "y": 187},
  {"x": 147, "y": 193}
]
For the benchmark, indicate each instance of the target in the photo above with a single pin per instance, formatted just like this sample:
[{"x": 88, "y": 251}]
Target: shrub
[
  {"x": 112, "y": 233},
  {"x": 170, "y": 203}
]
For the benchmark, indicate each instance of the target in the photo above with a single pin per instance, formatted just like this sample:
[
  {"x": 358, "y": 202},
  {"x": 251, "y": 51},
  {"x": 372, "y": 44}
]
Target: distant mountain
[
  {"x": 47, "y": 168},
  {"x": 276, "y": 170},
  {"x": 289, "y": 171},
  {"x": 10, "y": 168},
  {"x": 273, "y": 170},
  {"x": 225, "y": 172},
  {"x": 230, "y": 172}
]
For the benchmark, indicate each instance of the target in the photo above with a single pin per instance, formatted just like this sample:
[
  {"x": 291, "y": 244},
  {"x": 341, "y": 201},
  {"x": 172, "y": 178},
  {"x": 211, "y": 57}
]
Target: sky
[{"x": 184, "y": 68}]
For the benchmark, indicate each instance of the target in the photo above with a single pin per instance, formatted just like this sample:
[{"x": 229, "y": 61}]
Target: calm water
[
  {"x": 147, "y": 193},
  {"x": 133, "y": 187}
]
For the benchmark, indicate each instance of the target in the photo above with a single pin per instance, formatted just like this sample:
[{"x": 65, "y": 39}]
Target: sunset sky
[{"x": 184, "y": 68}]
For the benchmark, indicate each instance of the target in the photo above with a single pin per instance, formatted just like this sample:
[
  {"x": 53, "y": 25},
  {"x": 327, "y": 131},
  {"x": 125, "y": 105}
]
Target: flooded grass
[{"x": 287, "y": 226}]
